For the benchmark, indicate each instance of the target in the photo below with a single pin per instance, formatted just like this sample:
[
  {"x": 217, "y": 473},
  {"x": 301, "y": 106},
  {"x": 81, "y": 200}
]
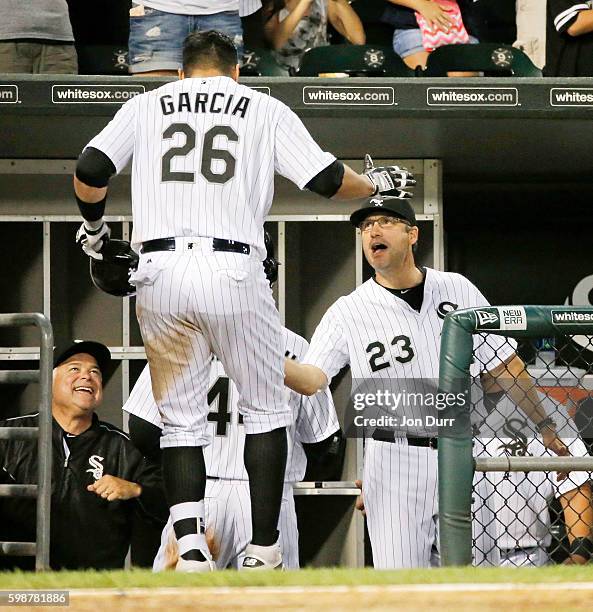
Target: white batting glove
[
  {"x": 92, "y": 240},
  {"x": 389, "y": 180}
]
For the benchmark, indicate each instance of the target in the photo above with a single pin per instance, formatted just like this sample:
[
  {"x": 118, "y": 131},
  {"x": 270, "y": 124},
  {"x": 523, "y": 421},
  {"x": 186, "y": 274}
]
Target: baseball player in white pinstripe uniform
[
  {"x": 388, "y": 330},
  {"x": 204, "y": 153},
  {"x": 518, "y": 501},
  {"x": 227, "y": 519}
]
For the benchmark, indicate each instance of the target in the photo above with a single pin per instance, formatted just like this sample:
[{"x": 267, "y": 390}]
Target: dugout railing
[
  {"x": 554, "y": 342},
  {"x": 43, "y": 433}
]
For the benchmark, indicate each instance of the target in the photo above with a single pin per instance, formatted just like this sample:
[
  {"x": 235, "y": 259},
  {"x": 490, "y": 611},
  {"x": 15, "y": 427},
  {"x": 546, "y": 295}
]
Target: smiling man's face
[{"x": 78, "y": 385}]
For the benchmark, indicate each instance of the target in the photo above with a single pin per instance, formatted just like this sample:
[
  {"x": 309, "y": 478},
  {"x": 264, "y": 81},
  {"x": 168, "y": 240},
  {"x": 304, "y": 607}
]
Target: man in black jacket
[{"x": 99, "y": 478}]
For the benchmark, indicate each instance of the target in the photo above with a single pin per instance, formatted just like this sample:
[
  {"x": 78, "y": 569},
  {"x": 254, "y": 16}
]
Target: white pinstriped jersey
[
  {"x": 383, "y": 337},
  {"x": 204, "y": 155},
  {"x": 248, "y": 7},
  {"x": 520, "y": 500},
  {"x": 192, "y": 7},
  {"x": 314, "y": 418}
]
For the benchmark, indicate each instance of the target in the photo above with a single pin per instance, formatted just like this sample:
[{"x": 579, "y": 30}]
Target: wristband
[
  {"x": 91, "y": 212},
  {"x": 548, "y": 423},
  {"x": 375, "y": 186},
  {"x": 582, "y": 547}
]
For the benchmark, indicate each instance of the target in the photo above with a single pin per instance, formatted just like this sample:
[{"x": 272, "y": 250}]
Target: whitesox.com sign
[
  {"x": 347, "y": 96},
  {"x": 570, "y": 317}
]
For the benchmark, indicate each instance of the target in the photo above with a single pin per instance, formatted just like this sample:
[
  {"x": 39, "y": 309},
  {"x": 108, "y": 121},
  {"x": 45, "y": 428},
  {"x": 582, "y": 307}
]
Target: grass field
[
  {"x": 550, "y": 588},
  {"x": 305, "y": 577}
]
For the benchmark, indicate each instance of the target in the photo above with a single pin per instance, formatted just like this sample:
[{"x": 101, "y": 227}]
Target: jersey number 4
[
  {"x": 209, "y": 153},
  {"x": 220, "y": 393},
  {"x": 377, "y": 350}
]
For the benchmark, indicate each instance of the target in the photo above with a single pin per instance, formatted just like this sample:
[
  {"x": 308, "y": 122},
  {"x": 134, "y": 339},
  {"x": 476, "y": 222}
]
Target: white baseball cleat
[
  {"x": 262, "y": 557},
  {"x": 190, "y": 566}
]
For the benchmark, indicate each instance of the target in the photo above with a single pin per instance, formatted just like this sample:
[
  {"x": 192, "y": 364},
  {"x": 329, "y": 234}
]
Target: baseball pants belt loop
[
  {"x": 186, "y": 243},
  {"x": 384, "y": 435}
]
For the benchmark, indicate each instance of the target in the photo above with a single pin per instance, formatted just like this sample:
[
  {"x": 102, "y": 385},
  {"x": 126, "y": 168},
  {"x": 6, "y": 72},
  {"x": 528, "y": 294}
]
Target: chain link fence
[{"x": 535, "y": 516}]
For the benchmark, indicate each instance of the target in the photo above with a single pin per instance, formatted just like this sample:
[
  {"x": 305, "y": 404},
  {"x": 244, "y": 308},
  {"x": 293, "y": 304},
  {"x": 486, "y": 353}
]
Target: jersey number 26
[{"x": 209, "y": 153}]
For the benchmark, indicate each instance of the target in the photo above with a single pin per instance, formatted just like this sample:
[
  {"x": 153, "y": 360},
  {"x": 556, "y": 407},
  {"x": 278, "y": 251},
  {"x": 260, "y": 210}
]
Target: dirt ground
[{"x": 444, "y": 598}]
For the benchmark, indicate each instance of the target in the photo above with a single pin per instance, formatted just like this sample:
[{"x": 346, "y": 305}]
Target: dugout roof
[{"x": 496, "y": 129}]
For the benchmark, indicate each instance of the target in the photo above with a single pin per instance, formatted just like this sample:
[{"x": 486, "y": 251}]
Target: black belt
[
  {"x": 218, "y": 244},
  {"x": 385, "y": 435}
]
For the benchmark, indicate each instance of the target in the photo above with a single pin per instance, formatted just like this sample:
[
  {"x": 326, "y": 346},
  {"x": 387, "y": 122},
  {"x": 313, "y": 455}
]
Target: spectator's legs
[
  {"x": 416, "y": 60},
  {"x": 228, "y": 22},
  {"x": 408, "y": 45},
  {"x": 17, "y": 57},
  {"x": 253, "y": 30},
  {"x": 156, "y": 40},
  {"x": 56, "y": 59}
]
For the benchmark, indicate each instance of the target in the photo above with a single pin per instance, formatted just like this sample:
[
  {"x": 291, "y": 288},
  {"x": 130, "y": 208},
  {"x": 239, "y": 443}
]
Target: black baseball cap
[
  {"x": 99, "y": 351},
  {"x": 385, "y": 205}
]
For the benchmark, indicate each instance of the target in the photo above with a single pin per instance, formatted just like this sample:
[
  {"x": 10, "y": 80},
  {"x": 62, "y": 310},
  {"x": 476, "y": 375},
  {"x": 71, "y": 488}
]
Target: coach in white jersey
[
  {"x": 519, "y": 501},
  {"x": 227, "y": 506},
  {"x": 388, "y": 330},
  {"x": 204, "y": 153}
]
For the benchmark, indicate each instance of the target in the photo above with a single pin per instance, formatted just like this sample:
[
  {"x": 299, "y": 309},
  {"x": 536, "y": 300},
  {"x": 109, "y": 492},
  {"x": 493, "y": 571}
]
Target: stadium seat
[
  {"x": 261, "y": 62},
  {"x": 492, "y": 59},
  {"x": 354, "y": 60}
]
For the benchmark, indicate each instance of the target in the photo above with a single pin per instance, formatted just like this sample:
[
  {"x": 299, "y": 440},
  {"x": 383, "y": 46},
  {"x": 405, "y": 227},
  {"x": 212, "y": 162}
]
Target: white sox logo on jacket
[{"x": 96, "y": 468}]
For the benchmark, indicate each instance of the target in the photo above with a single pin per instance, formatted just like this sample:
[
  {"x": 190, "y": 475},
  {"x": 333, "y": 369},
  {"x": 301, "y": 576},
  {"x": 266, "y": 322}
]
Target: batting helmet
[
  {"x": 270, "y": 262},
  {"x": 112, "y": 273}
]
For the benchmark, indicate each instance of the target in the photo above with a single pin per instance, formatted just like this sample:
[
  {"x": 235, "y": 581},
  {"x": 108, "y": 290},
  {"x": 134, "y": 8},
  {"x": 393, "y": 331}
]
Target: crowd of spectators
[{"x": 144, "y": 38}]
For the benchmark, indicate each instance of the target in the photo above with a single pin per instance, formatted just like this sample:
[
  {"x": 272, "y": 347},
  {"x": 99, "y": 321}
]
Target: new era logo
[
  {"x": 501, "y": 318},
  {"x": 486, "y": 318}
]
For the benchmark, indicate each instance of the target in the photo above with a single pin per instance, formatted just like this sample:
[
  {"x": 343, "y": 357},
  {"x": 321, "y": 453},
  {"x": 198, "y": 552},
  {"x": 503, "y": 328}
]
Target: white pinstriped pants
[
  {"x": 400, "y": 489},
  {"x": 400, "y": 497},
  {"x": 524, "y": 557},
  {"x": 228, "y": 527},
  {"x": 193, "y": 303}
]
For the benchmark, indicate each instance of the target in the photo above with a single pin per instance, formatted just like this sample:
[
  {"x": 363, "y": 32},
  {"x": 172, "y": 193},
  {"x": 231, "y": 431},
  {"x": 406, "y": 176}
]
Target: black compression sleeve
[
  {"x": 94, "y": 168},
  {"x": 328, "y": 181},
  {"x": 91, "y": 212}
]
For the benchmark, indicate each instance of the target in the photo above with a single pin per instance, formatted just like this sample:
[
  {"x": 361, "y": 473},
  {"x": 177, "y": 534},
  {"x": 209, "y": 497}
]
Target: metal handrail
[
  {"x": 18, "y": 490},
  {"x": 39, "y": 548},
  {"x": 19, "y": 377},
  {"x": 528, "y": 464}
]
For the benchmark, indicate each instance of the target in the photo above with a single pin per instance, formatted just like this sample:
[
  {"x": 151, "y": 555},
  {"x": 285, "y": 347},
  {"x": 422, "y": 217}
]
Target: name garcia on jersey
[{"x": 203, "y": 102}]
